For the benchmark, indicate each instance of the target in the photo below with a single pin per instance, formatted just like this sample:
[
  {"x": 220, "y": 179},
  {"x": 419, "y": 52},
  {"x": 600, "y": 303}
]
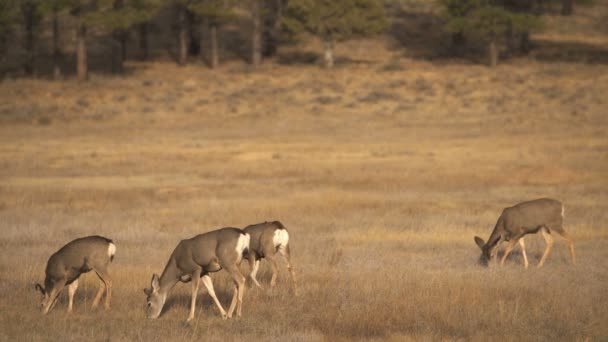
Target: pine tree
[
  {"x": 8, "y": 17},
  {"x": 31, "y": 16},
  {"x": 84, "y": 11},
  {"x": 272, "y": 25},
  {"x": 335, "y": 20},
  {"x": 54, "y": 7},
  {"x": 488, "y": 20},
  {"x": 256, "y": 32},
  {"x": 145, "y": 10},
  {"x": 214, "y": 13},
  {"x": 120, "y": 16}
]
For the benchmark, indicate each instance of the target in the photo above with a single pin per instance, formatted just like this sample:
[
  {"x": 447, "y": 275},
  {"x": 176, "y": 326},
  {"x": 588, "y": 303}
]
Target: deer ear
[
  {"x": 155, "y": 282},
  {"x": 147, "y": 291},
  {"x": 39, "y": 287},
  {"x": 479, "y": 241}
]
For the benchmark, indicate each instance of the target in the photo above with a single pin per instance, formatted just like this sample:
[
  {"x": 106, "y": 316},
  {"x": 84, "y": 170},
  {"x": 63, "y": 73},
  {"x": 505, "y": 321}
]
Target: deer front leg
[
  {"x": 71, "y": 290},
  {"x": 508, "y": 250},
  {"x": 209, "y": 285},
  {"x": 196, "y": 276},
  {"x": 523, "y": 252},
  {"x": 549, "y": 240}
]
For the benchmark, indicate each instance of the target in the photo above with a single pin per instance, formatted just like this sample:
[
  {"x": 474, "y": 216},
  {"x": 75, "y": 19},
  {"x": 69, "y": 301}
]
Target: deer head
[{"x": 155, "y": 299}]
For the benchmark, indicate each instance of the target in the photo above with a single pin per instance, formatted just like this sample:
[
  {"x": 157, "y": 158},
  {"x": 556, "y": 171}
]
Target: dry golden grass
[{"x": 383, "y": 177}]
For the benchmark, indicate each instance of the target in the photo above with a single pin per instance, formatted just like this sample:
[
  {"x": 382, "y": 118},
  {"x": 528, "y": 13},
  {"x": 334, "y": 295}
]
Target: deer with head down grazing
[
  {"x": 268, "y": 239},
  {"x": 66, "y": 265},
  {"x": 194, "y": 259},
  {"x": 545, "y": 215}
]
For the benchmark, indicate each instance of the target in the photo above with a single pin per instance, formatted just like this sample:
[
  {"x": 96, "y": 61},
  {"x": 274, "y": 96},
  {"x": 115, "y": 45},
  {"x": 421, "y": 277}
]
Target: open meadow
[{"x": 382, "y": 171}]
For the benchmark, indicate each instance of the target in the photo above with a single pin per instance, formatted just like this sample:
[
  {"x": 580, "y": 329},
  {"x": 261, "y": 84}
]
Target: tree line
[{"x": 273, "y": 22}]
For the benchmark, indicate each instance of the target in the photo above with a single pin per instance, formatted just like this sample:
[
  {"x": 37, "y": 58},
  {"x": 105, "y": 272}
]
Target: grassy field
[{"x": 382, "y": 171}]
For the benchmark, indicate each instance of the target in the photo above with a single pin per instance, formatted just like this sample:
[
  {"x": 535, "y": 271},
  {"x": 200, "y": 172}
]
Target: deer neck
[
  {"x": 170, "y": 276},
  {"x": 496, "y": 235}
]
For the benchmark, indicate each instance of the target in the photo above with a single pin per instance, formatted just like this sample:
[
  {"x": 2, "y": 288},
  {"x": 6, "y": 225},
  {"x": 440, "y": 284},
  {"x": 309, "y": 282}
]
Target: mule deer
[
  {"x": 545, "y": 215},
  {"x": 67, "y": 264},
  {"x": 194, "y": 259},
  {"x": 267, "y": 239}
]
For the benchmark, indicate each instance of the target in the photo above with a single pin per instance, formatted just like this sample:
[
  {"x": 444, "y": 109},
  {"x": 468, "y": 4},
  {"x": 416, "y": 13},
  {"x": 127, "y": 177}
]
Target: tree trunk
[
  {"x": 458, "y": 39},
  {"x": 493, "y": 52},
  {"x": 329, "y": 54},
  {"x": 215, "y": 58},
  {"x": 143, "y": 41},
  {"x": 123, "y": 46},
  {"x": 256, "y": 42},
  {"x": 567, "y": 7},
  {"x": 510, "y": 40},
  {"x": 29, "y": 18},
  {"x": 81, "y": 52},
  {"x": 120, "y": 35},
  {"x": 56, "y": 51},
  {"x": 272, "y": 26},
  {"x": 524, "y": 43},
  {"x": 182, "y": 37}
]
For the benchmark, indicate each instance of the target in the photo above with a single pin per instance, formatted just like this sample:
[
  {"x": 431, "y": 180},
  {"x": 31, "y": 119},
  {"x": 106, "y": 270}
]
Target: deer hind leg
[
  {"x": 522, "y": 244},
  {"x": 239, "y": 289},
  {"x": 275, "y": 269},
  {"x": 550, "y": 241},
  {"x": 254, "y": 265},
  {"x": 102, "y": 288},
  {"x": 209, "y": 285},
  {"x": 107, "y": 285},
  {"x": 196, "y": 276},
  {"x": 508, "y": 249},
  {"x": 568, "y": 240},
  {"x": 286, "y": 253},
  {"x": 71, "y": 290}
]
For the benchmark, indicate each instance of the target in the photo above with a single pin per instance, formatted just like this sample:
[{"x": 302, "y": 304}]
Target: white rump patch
[
  {"x": 280, "y": 238},
  {"x": 241, "y": 245},
  {"x": 111, "y": 250}
]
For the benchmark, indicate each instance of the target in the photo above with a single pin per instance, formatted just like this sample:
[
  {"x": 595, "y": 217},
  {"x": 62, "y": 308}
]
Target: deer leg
[
  {"x": 54, "y": 301},
  {"x": 549, "y": 240},
  {"x": 254, "y": 272},
  {"x": 254, "y": 265},
  {"x": 508, "y": 249},
  {"x": 275, "y": 269},
  {"x": 233, "y": 301},
  {"x": 568, "y": 240},
  {"x": 196, "y": 276},
  {"x": 209, "y": 285},
  {"x": 239, "y": 289},
  {"x": 522, "y": 244},
  {"x": 286, "y": 253},
  {"x": 71, "y": 290},
  {"x": 102, "y": 288},
  {"x": 107, "y": 281},
  {"x": 54, "y": 295}
]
